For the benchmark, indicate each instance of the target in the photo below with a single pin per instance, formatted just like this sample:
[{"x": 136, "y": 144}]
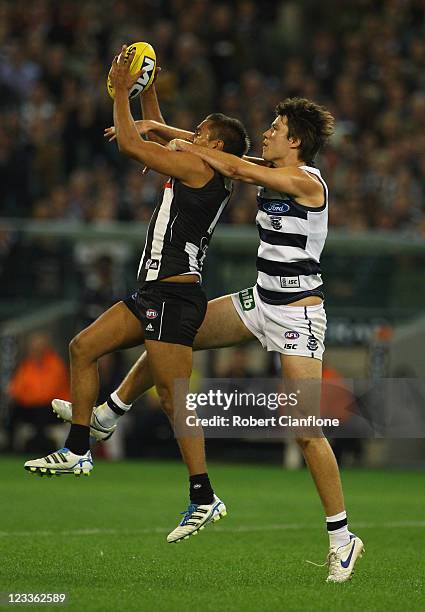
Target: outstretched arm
[
  {"x": 256, "y": 160},
  {"x": 289, "y": 179},
  {"x": 147, "y": 127}
]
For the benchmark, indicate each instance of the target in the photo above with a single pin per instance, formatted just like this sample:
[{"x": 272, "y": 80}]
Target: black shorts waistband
[{"x": 281, "y": 298}]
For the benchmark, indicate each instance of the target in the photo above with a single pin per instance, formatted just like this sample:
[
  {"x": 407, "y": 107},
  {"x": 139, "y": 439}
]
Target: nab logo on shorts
[
  {"x": 151, "y": 313},
  {"x": 291, "y": 335},
  {"x": 246, "y": 298},
  {"x": 152, "y": 264},
  {"x": 312, "y": 344}
]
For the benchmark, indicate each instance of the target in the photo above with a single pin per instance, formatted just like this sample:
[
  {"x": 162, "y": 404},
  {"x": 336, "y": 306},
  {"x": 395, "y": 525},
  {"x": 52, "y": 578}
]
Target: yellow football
[{"x": 144, "y": 59}]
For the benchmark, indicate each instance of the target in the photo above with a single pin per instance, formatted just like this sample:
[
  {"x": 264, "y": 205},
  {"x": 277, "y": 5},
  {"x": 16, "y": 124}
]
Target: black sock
[
  {"x": 78, "y": 440},
  {"x": 112, "y": 405},
  {"x": 200, "y": 490}
]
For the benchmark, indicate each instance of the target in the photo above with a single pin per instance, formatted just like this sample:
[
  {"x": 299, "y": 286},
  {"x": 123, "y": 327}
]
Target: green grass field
[{"x": 102, "y": 540}]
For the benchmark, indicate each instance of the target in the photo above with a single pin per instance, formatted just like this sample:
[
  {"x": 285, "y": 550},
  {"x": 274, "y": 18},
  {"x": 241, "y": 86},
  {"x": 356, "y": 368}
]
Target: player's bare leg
[
  {"x": 169, "y": 366},
  {"x": 117, "y": 328},
  {"x": 317, "y": 452},
  {"x": 168, "y": 363},
  {"x": 345, "y": 547},
  {"x": 221, "y": 327}
]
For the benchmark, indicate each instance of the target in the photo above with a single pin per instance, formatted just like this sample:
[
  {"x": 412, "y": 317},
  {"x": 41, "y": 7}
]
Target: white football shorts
[{"x": 290, "y": 330}]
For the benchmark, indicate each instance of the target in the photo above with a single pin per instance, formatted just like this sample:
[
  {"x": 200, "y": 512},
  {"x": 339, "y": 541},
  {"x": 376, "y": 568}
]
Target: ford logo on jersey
[{"x": 274, "y": 207}]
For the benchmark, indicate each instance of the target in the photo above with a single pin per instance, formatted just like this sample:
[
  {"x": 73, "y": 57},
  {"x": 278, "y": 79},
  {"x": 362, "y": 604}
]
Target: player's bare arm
[
  {"x": 289, "y": 179},
  {"x": 189, "y": 168},
  {"x": 156, "y": 131}
]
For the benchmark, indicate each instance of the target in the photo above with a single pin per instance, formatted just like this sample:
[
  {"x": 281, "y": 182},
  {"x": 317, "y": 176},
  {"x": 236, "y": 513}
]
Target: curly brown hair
[{"x": 311, "y": 123}]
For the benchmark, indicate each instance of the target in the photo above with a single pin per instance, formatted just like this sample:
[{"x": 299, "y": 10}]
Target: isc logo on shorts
[
  {"x": 289, "y": 281},
  {"x": 246, "y": 298},
  {"x": 151, "y": 313}
]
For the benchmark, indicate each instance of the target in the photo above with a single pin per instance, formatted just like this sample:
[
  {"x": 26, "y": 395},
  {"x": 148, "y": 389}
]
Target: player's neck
[{"x": 289, "y": 160}]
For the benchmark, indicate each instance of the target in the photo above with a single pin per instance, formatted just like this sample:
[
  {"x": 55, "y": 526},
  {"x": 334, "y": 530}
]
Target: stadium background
[{"x": 73, "y": 211}]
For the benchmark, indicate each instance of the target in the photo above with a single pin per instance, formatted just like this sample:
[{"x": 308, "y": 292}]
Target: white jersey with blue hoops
[{"x": 292, "y": 237}]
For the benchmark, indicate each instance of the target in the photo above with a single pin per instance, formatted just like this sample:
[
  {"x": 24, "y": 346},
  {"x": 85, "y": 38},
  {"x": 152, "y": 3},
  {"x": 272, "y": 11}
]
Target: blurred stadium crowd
[{"x": 364, "y": 59}]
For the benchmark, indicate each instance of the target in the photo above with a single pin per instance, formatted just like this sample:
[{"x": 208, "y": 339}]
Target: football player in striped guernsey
[
  {"x": 284, "y": 311},
  {"x": 169, "y": 306}
]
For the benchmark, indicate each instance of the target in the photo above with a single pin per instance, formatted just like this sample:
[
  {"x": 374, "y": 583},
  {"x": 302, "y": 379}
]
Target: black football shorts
[{"x": 169, "y": 312}]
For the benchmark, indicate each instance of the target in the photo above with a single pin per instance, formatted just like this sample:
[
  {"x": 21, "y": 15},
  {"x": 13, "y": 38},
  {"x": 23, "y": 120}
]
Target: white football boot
[
  {"x": 60, "y": 462},
  {"x": 195, "y": 518},
  {"x": 63, "y": 411},
  {"x": 341, "y": 560}
]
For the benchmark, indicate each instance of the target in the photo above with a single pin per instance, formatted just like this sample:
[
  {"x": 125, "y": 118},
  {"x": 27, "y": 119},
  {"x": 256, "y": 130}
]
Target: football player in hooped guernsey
[
  {"x": 168, "y": 308},
  {"x": 284, "y": 311},
  {"x": 287, "y": 301}
]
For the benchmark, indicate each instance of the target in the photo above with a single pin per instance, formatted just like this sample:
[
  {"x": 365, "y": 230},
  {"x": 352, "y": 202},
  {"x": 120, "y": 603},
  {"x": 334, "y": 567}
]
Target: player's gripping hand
[
  {"x": 120, "y": 75},
  {"x": 178, "y": 144},
  {"x": 144, "y": 126}
]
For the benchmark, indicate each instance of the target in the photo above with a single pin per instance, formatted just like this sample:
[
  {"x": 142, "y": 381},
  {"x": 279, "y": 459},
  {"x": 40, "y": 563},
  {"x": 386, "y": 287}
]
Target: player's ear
[
  {"x": 218, "y": 144},
  {"x": 294, "y": 143}
]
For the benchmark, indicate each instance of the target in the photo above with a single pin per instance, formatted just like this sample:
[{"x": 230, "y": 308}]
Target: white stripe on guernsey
[
  {"x": 274, "y": 252},
  {"x": 171, "y": 227},
  {"x": 192, "y": 251},
  {"x": 290, "y": 254},
  {"x": 160, "y": 322},
  {"x": 272, "y": 283},
  {"x": 160, "y": 228},
  {"x": 217, "y": 217}
]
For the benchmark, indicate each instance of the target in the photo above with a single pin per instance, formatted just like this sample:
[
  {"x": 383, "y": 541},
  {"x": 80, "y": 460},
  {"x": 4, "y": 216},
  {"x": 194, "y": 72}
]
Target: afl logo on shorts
[
  {"x": 312, "y": 343},
  {"x": 151, "y": 313},
  {"x": 291, "y": 335}
]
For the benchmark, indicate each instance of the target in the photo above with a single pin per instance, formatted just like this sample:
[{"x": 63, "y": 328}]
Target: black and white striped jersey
[
  {"x": 292, "y": 238},
  {"x": 181, "y": 227}
]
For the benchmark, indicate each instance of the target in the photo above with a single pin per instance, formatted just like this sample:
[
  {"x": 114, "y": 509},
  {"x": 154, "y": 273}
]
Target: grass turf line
[{"x": 229, "y": 566}]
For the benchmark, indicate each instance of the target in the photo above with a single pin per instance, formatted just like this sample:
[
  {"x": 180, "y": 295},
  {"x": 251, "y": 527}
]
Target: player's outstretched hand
[
  {"x": 144, "y": 126},
  {"x": 110, "y": 133}
]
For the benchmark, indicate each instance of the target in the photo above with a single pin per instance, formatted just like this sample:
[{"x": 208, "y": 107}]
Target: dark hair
[
  {"x": 311, "y": 123},
  {"x": 231, "y": 131}
]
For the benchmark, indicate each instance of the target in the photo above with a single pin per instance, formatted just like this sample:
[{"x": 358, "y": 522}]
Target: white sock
[
  {"x": 339, "y": 536},
  {"x": 106, "y": 416},
  {"x": 120, "y": 403}
]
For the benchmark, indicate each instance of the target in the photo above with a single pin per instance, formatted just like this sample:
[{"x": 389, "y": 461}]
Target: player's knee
[
  {"x": 307, "y": 442},
  {"x": 79, "y": 347}
]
